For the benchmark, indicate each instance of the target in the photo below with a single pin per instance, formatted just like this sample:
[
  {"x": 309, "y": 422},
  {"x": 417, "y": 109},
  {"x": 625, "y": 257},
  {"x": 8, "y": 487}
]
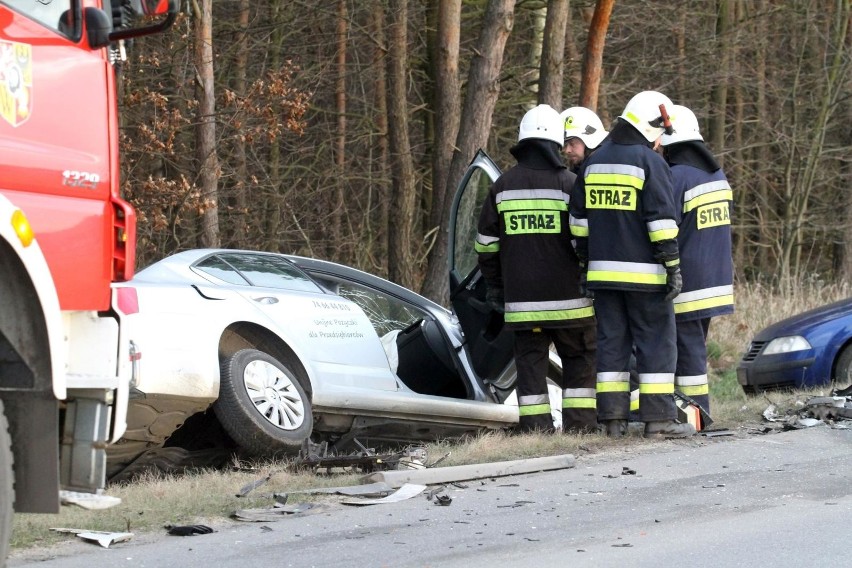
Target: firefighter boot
[
  {"x": 615, "y": 428},
  {"x": 668, "y": 429}
]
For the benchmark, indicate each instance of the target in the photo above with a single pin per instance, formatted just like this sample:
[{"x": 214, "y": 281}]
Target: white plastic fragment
[
  {"x": 101, "y": 537},
  {"x": 407, "y": 491}
]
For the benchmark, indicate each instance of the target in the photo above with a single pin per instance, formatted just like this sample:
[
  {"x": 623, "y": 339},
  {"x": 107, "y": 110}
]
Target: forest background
[{"x": 339, "y": 129}]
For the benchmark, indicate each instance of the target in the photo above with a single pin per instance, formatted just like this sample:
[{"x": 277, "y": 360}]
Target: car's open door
[{"x": 489, "y": 343}]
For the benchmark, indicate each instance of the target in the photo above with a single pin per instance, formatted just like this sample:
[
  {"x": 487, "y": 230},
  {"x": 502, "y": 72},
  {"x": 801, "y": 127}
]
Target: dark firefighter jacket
[
  {"x": 623, "y": 214},
  {"x": 524, "y": 242},
  {"x": 704, "y": 199}
]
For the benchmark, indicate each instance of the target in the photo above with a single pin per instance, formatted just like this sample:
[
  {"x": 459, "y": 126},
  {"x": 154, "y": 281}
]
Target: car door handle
[{"x": 266, "y": 300}]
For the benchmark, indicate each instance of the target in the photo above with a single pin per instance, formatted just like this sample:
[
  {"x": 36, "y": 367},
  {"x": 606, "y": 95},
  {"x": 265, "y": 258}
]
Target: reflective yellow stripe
[
  {"x": 634, "y": 405},
  {"x": 706, "y": 303},
  {"x": 534, "y": 410},
  {"x": 662, "y": 229},
  {"x": 656, "y": 388},
  {"x": 532, "y": 204},
  {"x": 494, "y": 247},
  {"x": 614, "y": 179},
  {"x": 550, "y": 315},
  {"x": 711, "y": 197},
  {"x": 579, "y": 227},
  {"x": 635, "y": 277},
  {"x": 616, "y": 386},
  {"x": 662, "y": 235},
  {"x": 579, "y": 403},
  {"x": 695, "y": 391}
]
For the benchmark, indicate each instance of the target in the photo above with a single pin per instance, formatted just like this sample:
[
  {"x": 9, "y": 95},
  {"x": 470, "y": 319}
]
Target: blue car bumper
[{"x": 774, "y": 371}]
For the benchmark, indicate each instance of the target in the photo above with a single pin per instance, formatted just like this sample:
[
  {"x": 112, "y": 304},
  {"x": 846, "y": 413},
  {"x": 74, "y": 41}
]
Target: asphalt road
[{"x": 777, "y": 500}]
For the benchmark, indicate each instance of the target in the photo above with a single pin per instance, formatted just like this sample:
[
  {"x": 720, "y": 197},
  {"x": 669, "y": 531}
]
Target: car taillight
[{"x": 127, "y": 301}]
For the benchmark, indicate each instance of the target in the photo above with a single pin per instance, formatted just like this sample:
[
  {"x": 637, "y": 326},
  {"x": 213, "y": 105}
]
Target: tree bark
[
  {"x": 208, "y": 161},
  {"x": 273, "y": 201},
  {"x": 335, "y": 245},
  {"x": 446, "y": 103},
  {"x": 590, "y": 84},
  {"x": 238, "y": 230},
  {"x": 483, "y": 88},
  {"x": 539, "y": 18},
  {"x": 381, "y": 164},
  {"x": 719, "y": 97},
  {"x": 403, "y": 194},
  {"x": 553, "y": 54}
]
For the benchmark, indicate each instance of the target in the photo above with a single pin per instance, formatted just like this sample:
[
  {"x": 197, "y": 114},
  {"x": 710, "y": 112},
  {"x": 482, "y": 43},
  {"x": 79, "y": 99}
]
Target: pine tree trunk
[
  {"x": 591, "y": 81},
  {"x": 553, "y": 54},
  {"x": 483, "y": 88},
  {"x": 205, "y": 132},
  {"x": 403, "y": 196}
]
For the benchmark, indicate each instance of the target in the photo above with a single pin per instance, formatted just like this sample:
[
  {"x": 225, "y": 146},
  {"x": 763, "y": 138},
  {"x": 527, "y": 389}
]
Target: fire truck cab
[{"x": 65, "y": 236}]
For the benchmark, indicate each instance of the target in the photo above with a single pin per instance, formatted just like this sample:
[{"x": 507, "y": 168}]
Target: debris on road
[
  {"x": 834, "y": 411},
  {"x": 378, "y": 489},
  {"x": 277, "y": 512},
  {"x": 249, "y": 487},
  {"x": 365, "y": 460},
  {"x": 407, "y": 491},
  {"x": 443, "y": 500},
  {"x": 474, "y": 471},
  {"x": 188, "y": 530},
  {"x": 103, "y": 538}
]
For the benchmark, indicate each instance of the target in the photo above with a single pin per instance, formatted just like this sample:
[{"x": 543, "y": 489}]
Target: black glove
[
  {"x": 494, "y": 299},
  {"x": 674, "y": 282}
]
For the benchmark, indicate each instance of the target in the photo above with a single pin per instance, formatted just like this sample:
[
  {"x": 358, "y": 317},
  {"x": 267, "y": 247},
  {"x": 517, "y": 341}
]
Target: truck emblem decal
[{"x": 16, "y": 81}]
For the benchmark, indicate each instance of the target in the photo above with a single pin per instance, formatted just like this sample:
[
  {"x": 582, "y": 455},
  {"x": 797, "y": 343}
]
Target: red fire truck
[{"x": 65, "y": 236}]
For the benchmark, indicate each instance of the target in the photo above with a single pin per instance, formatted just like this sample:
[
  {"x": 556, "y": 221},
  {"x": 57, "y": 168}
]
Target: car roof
[{"x": 176, "y": 267}]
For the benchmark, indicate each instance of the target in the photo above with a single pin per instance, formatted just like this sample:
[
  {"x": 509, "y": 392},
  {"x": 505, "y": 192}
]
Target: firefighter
[
  {"x": 703, "y": 200},
  {"x": 532, "y": 274},
  {"x": 584, "y": 132},
  {"x": 623, "y": 218}
]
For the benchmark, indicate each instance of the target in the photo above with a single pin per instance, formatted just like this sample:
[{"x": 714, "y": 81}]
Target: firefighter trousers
[
  {"x": 644, "y": 322},
  {"x": 691, "y": 370},
  {"x": 576, "y": 348}
]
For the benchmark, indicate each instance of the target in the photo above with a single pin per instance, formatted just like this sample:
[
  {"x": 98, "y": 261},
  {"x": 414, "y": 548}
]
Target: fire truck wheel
[
  {"x": 7, "y": 494},
  {"x": 262, "y": 404}
]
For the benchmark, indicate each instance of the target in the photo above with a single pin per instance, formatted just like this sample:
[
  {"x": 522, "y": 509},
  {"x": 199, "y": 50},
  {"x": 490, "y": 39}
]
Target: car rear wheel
[
  {"x": 262, "y": 404},
  {"x": 843, "y": 368},
  {"x": 7, "y": 494}
]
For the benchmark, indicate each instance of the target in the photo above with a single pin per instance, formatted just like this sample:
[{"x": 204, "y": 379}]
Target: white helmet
[
  {"x": 584, "y": 124},
  {"x": 643, "y": 112},
  {"x": 542, "y": 122},
  {"x": 684, "y": 124}
]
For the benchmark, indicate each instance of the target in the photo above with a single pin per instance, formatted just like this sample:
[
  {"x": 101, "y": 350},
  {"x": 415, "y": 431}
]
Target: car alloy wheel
[
  {"x": 262, "y": 404},
  {"x": 274, "y": 394}
]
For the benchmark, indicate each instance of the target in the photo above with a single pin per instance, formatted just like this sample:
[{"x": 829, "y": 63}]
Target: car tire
[
  {"x": 7, "y": 493},
  {"x": 843, "y": 367},
  {"x": 262, "y": 404}
]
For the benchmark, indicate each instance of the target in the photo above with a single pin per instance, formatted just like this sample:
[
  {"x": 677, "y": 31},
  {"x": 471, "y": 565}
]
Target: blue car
[{"x": 811, "y": 349}]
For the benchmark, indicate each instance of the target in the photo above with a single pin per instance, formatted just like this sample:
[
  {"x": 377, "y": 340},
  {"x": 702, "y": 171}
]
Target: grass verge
[{"x": 209, "y": 497}]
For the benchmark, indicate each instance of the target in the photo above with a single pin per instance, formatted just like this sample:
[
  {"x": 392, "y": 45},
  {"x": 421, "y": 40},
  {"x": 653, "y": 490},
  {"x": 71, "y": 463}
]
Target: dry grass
[
  {"x": 209, "y": 497},
  {"x": 757, "y": 306}
]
